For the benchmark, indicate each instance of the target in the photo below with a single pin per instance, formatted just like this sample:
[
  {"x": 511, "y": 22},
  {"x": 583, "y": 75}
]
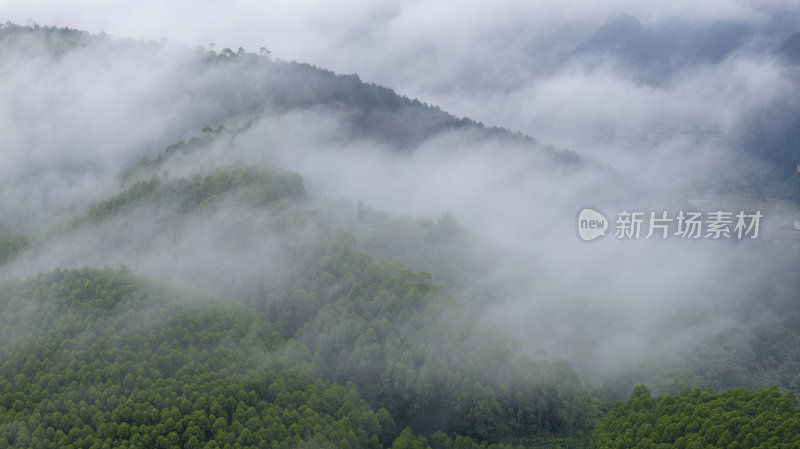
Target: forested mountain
[
  {"x": 251, "y": 304},
  {"x": 115, "y": 361},
  {"x": 656, "y": 51},
  {"x": 262, "y": 83},
  {"x": 771, "y": 135},
  {"x": 345, "y": 316},
  {"x": 767, "y": 135}
]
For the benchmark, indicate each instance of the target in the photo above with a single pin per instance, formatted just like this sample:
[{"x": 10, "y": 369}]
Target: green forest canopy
[
  {"x": 736, "y": 418},
  {"x": 346, "y": 349}
]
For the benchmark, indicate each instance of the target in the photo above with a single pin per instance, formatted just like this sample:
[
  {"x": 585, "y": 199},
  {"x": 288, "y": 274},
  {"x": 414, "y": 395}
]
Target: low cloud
[{"x": 70, "y": 123}]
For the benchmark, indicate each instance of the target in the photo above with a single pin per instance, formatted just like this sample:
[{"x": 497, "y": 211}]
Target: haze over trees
[{"x": 258, "y": 254}]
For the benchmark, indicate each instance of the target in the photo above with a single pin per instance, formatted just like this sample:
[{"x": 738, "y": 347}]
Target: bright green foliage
[
  {"x": 735, "y": 418},
  {"x": 94, "y": 357},
  {"x": 389, "y": 330},
  {"x": 86, "y": 353},
  {"x": 316, "y": 343}
]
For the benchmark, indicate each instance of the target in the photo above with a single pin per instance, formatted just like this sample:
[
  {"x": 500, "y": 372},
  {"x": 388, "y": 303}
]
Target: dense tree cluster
[
  {"x": 420, "y": 355},
  {"x": 347, "y": 343},
  {"x": 101, "y": 358},
  {"x": 335, "y": 316},
  {"x": 694, "y": 419},
  {"x": 98, "y": 358},
  {"x": 346, "y": 317}
]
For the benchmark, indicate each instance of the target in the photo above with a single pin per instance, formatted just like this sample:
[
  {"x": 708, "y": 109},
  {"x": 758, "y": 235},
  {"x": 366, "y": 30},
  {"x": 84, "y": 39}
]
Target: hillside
[{"x": 204, "y": 249}]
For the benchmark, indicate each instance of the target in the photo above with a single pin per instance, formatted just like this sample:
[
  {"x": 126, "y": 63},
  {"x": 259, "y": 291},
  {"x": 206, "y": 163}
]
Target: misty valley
[{"x": 223, "y": 249}]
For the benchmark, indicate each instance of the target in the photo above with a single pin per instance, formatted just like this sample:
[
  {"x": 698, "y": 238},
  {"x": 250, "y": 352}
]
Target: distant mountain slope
[
  {"x": 281, "y": 324},
  {"x": 114, "y": 101},
  {"x": 240, "y": 83},
  {"x": 790, "y": 49},
  {"x": 656, "y": 51},
  {"x": 771, "y": 135}
]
